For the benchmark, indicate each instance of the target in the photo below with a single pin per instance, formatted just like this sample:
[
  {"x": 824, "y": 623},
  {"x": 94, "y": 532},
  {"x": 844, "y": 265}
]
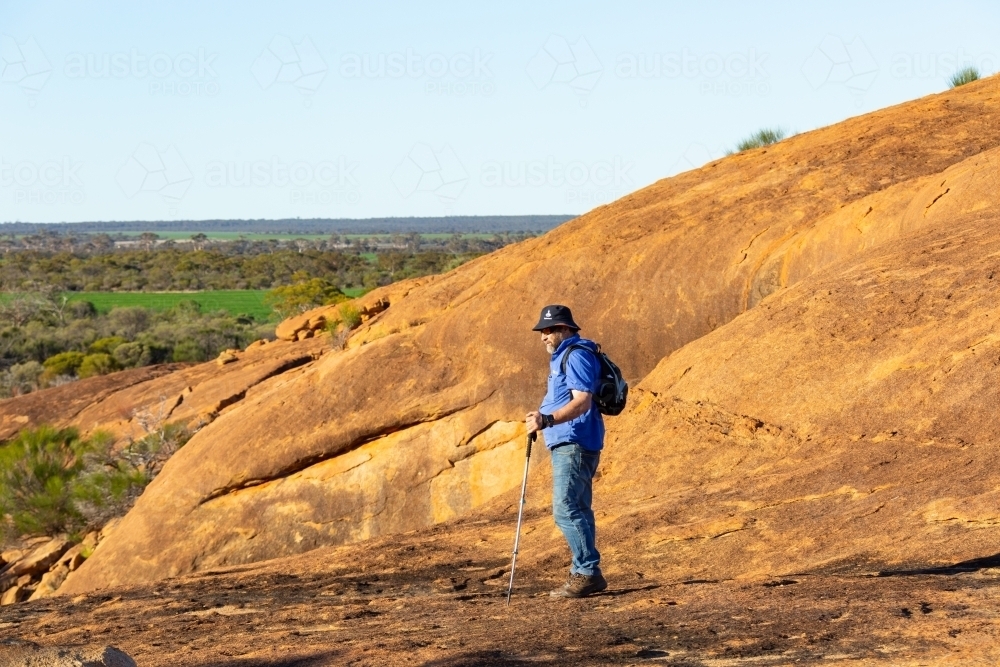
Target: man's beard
[{"x": 550, "y": 348}]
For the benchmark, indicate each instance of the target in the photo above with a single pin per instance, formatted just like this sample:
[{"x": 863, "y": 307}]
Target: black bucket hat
[{"x": 555, "y": 316}]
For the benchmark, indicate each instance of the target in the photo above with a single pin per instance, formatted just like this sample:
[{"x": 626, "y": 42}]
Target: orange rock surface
[{"x": 809, "y": 329}]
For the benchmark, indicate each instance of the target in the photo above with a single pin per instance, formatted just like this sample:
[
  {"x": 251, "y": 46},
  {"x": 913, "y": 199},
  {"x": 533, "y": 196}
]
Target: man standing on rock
[{"x": 574, "y": 433}]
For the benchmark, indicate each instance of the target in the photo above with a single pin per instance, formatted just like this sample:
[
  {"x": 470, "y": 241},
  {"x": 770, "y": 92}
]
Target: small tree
[
  {"x": 148, "y": 239},
  {"x": 19, "y": 309},
  {"x": 132, "y": 355},
  {"x": 64, "y": 363},
  {"x": 349, "y": 315},
  {"x": 294, "y": 299},
  {"x": 105, "y": 345},
  {"x": 391, "y": 262},
  {"x": 20, "y": 379},
  {"x": 96, "y": 364},
  {"x": 188, "y": 350}
]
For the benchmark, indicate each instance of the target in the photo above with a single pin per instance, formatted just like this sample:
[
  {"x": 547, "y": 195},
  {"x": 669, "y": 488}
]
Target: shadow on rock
[
  {"x": 495, "y": 659},
  {"x": 319, "y": 659},
  {"x": 973, "y": 565},
  {"x": 617, "y": 592}
]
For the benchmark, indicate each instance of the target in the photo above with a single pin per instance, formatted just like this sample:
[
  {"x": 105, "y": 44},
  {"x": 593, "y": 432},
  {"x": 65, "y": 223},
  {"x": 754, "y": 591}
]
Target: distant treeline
[
  {"x": 102, "y": 243},
  {"x": 487, "y": 224},
  {"x": 174, "y": 269},
  {"x": 47, "y": 341}
]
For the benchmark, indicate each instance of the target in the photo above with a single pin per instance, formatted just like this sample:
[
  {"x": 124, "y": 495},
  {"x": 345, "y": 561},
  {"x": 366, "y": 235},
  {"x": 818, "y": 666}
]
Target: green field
[
  {"x": 250, "y": 302},
  {"x": 235, "y": 302}
]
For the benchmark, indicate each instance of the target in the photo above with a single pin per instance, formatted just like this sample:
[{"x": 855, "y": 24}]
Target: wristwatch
[{"x": 548, "y": 421}]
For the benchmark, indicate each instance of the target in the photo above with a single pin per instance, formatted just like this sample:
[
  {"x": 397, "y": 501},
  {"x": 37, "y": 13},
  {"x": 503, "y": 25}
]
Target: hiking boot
[{"x": 580, "y": 586}]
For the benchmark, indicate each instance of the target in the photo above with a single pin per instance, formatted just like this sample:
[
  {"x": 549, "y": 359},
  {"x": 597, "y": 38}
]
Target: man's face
[{"x": 552, "y": 336}]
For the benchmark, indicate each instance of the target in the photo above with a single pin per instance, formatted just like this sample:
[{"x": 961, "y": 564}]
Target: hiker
[{"x": 574, "y": 434}]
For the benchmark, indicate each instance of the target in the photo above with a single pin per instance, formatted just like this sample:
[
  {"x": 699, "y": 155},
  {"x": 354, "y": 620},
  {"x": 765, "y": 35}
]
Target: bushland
[{"x": 53, "y": 481}]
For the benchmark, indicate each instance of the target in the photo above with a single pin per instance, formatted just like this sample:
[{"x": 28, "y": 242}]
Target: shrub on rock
[
  {"x": 105, "y": 345},
  {"x": 64, "y": 363},
  {"x": 52, "y": 481},
  {"x": 132, "y": 355},
  {"x": 96, "y": 364},
  {"x": 36, "y": 473}
]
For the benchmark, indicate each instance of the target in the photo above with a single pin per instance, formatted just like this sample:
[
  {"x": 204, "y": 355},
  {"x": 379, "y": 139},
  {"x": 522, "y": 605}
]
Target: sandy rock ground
[{"x": 409, "y": 602}]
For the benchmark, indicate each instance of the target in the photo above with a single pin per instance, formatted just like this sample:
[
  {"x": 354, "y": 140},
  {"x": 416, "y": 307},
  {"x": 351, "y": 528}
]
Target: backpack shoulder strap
[{"x": 576, "y": 346}]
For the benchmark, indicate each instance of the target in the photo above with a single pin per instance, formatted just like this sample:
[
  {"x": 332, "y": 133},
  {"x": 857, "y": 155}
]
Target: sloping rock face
[
  {"x": 60, "y": 405},
  {"x": 416, "y": 421},
  {"x": 846, "y": 422}
]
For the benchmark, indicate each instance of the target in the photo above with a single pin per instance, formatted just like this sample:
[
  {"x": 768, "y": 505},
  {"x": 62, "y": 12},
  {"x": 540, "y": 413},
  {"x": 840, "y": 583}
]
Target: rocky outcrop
[
  {"x": 60, "y": 405},
  {"x": 415, "y": 421},
  {"x": 42, "y": 564},
  {"x": 313, "y": 322},
  {"x": 20, "y": 653}
]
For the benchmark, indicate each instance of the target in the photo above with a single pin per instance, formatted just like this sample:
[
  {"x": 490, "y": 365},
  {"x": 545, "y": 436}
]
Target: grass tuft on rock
[
  {"x": 964, "y": 76},
  {"x": 759, "y": 139}
]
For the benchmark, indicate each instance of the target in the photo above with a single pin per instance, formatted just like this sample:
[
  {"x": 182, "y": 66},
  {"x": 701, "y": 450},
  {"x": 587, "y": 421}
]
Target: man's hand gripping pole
[{"x": 520, "y": 513}]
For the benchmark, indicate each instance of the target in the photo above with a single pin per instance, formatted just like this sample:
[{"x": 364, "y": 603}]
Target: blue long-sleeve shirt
[{"x": 582, "y": 374}]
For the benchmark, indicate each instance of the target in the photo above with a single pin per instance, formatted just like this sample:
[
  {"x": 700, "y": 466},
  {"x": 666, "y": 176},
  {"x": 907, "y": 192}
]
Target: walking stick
[{"x": 520, "y": 513}]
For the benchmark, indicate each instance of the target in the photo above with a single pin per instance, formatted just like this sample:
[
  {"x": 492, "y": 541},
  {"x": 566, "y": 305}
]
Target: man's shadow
[{"x": 965, "y": 566}]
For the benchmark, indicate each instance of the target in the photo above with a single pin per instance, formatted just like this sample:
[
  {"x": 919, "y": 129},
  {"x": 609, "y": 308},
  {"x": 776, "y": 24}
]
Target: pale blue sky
[{"x": 200, "y": 110}]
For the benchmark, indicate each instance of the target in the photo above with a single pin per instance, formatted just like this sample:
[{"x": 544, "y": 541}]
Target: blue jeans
[{"x": 573, "y": 469}]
